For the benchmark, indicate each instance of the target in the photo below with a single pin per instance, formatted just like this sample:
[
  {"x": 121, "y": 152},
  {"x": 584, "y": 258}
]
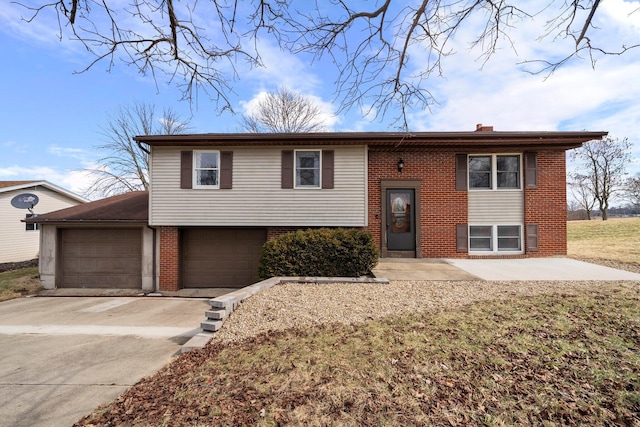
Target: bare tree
[
  {"x": 632, "y": 190},
  {"x": 374, "y": 44},
  {"x": 582, "y": 193},
  {"x": 602, "y": 164},
  {"x": 126, "y": 166},
  {"x": 284, "y": 111}
]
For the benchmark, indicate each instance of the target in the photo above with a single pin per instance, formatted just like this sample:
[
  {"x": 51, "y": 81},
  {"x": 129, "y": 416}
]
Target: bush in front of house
[{"x": 324, "y": 252}]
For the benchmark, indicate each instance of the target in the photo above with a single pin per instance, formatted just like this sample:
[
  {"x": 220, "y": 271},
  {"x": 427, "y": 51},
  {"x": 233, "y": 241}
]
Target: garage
[
  {"x": 100, "y": 258},
  {"x": 224, "y": 257}
]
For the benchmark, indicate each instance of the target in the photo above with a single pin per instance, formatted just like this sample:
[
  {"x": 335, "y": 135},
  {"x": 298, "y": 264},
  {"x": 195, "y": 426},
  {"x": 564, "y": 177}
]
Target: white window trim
[
  {"x": 494, "y": 172},
  {"x": 494, "y": 239},
  {"x": 194, "y": 172},
  {"x": 295, "y": 168}
]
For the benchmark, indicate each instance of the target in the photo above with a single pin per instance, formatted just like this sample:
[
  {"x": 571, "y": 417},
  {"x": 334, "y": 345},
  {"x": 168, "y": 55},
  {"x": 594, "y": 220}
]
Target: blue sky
[{"x": 51, "y": 116}]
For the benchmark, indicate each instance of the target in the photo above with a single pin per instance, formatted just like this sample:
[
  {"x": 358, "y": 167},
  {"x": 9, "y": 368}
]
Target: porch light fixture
[{"x": 400, "y": 165}]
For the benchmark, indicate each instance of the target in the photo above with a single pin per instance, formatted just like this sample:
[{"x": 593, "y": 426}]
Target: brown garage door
[
  {"x": 224, "y": 258},
  {"x": 100, "y": 258}
]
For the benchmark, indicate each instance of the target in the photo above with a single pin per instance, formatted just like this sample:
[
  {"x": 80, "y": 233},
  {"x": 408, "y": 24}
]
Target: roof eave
[{"x": 561, "y": 140}]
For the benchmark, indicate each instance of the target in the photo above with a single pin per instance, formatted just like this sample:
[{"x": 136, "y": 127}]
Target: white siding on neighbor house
[
  {"x": 256, "y": 198},
  {"x": 17, "y": 244},
  {"x": 496, "y": 207}
]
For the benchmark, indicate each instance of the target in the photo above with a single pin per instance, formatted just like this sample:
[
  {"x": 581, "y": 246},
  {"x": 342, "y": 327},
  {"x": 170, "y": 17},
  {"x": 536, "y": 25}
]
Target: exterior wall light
[{"x": 400, "y": 165}]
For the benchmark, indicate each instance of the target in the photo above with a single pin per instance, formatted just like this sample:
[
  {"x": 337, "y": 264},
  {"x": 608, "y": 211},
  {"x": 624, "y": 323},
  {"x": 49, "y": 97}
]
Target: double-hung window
[
  {"x": 496, "y": 171},
  {"x": 495, "y": 238},
  {"x": 308, "y": 168},
  {"x": 206, "y": 169}
]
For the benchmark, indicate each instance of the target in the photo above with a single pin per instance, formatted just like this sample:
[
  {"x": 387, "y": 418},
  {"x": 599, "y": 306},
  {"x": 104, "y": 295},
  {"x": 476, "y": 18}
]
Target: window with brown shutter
[
  {"x": 462, "y": 239},
  {"x": 531, "y": 169},
  {"x": 532, "y": 237},
  {"x": 461, "y": 172},
  {"x": 186, "y": 169},
  {"x": 226, "y": 169},
  {"x": 327, "y": 169},
  {"x": 286, "y": 179}
]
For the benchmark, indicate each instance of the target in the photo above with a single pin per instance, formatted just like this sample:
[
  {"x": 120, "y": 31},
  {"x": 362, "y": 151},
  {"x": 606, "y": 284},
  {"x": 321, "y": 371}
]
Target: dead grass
[
  {"x": 617, "y": 239},
  {"x": 18, "y": 283},
  {"x": 546, "y": 360}
]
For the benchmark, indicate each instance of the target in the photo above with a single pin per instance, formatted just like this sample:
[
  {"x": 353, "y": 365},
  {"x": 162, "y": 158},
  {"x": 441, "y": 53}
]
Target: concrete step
[
  {"x": 197, "y": 342},
  {"x": 219, "y": 314},
  {"x": 211, "y": 325}
]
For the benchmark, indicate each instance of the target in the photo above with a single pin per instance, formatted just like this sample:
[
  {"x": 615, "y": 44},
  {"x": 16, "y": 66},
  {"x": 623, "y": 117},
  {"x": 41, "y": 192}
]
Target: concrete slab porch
[
  {"x": 557, "y": 268},
  {"x": 419, "y": 269}
]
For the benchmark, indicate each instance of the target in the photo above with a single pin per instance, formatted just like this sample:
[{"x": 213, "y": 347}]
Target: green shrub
[{"x": 325, "y": 252}]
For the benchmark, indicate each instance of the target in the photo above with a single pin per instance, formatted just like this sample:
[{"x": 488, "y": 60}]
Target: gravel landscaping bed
[{"x": 302, "y": 305}]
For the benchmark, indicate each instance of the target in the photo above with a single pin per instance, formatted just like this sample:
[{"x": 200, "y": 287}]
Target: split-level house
[{"x": 215, "y": 199}]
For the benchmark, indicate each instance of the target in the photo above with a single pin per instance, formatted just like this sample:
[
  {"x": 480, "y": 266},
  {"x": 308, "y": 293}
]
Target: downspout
[{"x": 154, "y": 268}]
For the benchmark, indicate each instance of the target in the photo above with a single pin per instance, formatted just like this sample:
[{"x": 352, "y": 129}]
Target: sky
[{"x": 52, "y": 115}]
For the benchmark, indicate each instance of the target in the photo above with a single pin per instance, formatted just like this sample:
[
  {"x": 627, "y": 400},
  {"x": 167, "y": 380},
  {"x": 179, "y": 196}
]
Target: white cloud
[{"x": 74, "y": 153}]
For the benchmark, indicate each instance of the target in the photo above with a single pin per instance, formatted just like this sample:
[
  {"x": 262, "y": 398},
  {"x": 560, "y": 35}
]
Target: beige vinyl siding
[
  {"x": 17, "y": 244},
  {"x": 256, "y": 198},
  {"x": 496, "y": 207}
]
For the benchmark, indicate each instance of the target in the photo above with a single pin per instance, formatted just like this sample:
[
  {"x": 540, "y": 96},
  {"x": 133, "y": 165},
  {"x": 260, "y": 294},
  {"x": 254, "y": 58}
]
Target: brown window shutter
[
  {"x": 461, "y": 172},
  {"x": 287, "y": 169},
  {"x": 327, "y": 168},
  {"x": 532, "y": 237},
  {"x": 186, "y": 169},
  {"x": 462, "y": 238},
  {"x": 531, "y": 169},
  {"x": 226, "y": 169}
]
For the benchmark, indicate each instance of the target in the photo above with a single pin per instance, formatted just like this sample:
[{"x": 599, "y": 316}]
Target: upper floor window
[
  {"x": 206, "y": 169},
  {"x": 496, "y": 171},
  {"x": 307, "y": 168}
]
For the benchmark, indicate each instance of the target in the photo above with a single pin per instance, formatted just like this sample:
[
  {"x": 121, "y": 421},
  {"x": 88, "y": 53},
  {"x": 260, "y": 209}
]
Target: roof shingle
[{"x": 128, "y": 207}]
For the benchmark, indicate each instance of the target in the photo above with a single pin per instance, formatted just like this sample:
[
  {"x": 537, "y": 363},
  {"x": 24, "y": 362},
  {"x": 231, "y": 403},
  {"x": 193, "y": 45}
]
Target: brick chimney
[{"x": 480, "y": 128}]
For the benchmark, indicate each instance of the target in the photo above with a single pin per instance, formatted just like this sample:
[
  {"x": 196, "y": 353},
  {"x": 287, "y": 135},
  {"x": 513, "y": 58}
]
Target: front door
[{"x": 401, "y": 220}]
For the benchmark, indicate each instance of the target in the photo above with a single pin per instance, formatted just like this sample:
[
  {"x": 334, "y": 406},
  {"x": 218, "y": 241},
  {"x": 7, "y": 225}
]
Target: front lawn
[{"x": 545, "y": 360}]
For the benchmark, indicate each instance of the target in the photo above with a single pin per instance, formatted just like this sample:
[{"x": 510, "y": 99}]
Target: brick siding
[
  {"x": 441, "y": 206},
  {"x": 169, "y": 279},
  {"x": 546, "y": 205}
]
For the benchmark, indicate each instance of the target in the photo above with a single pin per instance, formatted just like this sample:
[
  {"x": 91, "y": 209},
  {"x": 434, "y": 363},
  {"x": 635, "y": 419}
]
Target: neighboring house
[
  {"x": 20, "y": 241},
  {"x": 216, "y": 198}
]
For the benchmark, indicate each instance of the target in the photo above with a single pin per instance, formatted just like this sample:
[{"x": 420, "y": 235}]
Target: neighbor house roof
[
  {"x": 484, "y": 136},
  {"x": 126, "y": 208},
  {"x": 6, "y": 186}
]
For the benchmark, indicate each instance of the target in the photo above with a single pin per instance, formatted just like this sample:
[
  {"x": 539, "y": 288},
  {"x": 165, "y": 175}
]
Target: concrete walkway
[
  {"x": 62, "y": 357},
  {"x": 497, "y": 269}
]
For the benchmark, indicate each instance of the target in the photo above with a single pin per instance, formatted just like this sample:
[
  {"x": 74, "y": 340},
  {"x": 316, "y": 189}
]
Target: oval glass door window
[{"x": 400, "y": 213}]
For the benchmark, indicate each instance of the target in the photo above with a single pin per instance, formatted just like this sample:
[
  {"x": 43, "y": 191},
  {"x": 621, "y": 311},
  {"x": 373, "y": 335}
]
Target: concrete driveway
[{"x": 62, "y": 357}]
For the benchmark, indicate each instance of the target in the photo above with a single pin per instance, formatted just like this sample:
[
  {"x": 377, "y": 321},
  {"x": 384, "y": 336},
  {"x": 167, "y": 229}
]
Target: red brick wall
[
  {"x": 546, "y": 205},
  {"x": 441, "y": 206},
  {"x": 169, "y": 258}
]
